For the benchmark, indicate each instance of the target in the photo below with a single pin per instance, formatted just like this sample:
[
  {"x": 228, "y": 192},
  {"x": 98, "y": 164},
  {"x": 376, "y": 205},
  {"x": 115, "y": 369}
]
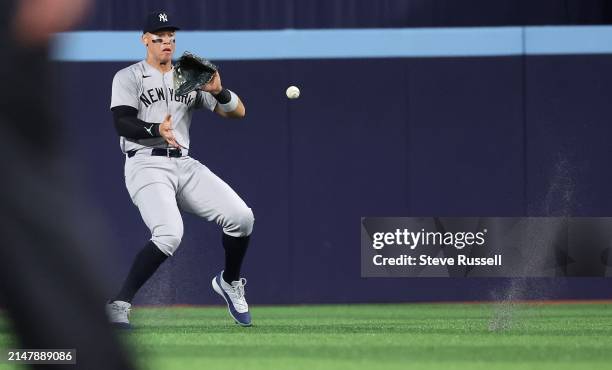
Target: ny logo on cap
[{"x": 163, "y": 17}]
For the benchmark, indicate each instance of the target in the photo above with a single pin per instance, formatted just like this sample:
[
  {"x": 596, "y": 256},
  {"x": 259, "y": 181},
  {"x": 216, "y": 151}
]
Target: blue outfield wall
[
  {"x": 445, "y": 136},
  {"x": 318, "y": 14},
  {"x": 345, "y": 43}
]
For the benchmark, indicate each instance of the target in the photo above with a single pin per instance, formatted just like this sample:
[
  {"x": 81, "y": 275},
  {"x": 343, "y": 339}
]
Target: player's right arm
[
  {"x": 128, "y": 125},
  {"x": 124, "y": 105}
]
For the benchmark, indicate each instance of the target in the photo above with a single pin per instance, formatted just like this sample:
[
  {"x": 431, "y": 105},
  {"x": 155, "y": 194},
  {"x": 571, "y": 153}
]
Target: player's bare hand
[
  {"x": 214, "y": 86},
  {"x": 167, "y": 132}
]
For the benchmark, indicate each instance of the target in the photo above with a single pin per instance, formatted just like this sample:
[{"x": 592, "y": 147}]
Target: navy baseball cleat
[
  {"x": 234, "y": 297},
  {"x": 118, "y": 312}
]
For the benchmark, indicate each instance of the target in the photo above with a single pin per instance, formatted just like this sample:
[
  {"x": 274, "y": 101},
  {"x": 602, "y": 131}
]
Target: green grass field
[{"x": 406, "y": 336}]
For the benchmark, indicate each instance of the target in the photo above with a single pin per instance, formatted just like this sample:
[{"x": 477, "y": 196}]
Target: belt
[{"x": 159, "y": 152}]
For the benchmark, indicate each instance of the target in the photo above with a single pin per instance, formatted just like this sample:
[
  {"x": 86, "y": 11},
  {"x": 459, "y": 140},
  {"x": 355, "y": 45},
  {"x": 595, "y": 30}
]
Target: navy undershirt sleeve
[{"x": 128, "y": 125}]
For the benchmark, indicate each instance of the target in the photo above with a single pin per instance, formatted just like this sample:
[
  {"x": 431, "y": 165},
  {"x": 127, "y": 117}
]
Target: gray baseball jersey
[
  {"x": 161, "y": 187},
  {"x": 151, "y": 92}
]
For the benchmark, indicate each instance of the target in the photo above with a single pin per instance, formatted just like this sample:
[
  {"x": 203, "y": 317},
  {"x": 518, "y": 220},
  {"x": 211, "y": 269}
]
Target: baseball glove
[{"x": 191, "y": 72}]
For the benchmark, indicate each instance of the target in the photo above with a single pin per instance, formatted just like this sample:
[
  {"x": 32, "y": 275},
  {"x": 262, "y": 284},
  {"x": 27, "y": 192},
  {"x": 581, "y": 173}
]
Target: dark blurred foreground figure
[{"x": 48, "y": 289}]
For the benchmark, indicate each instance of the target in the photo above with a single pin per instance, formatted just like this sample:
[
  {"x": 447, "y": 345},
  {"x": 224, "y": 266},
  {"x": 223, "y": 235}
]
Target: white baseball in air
[{"x": 293, "y": 92}]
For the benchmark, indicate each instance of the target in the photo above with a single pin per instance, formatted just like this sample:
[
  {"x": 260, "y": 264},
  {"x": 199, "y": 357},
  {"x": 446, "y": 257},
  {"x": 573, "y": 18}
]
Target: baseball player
[{"x": 160, "y": 176}]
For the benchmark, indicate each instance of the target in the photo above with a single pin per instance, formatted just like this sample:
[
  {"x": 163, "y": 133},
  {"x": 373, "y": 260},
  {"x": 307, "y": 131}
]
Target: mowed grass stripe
[{"x": 402, "y": 336}]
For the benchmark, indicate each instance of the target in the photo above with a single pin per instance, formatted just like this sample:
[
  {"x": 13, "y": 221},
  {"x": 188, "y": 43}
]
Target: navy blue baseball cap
[{"x": 160, "y": 20}]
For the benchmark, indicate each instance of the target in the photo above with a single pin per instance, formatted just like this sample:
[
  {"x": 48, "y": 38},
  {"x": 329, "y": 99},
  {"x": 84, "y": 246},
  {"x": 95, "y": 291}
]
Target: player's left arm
[
  {"x": 229, "y": 104},
  {"x": 239, "y": 112}
]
